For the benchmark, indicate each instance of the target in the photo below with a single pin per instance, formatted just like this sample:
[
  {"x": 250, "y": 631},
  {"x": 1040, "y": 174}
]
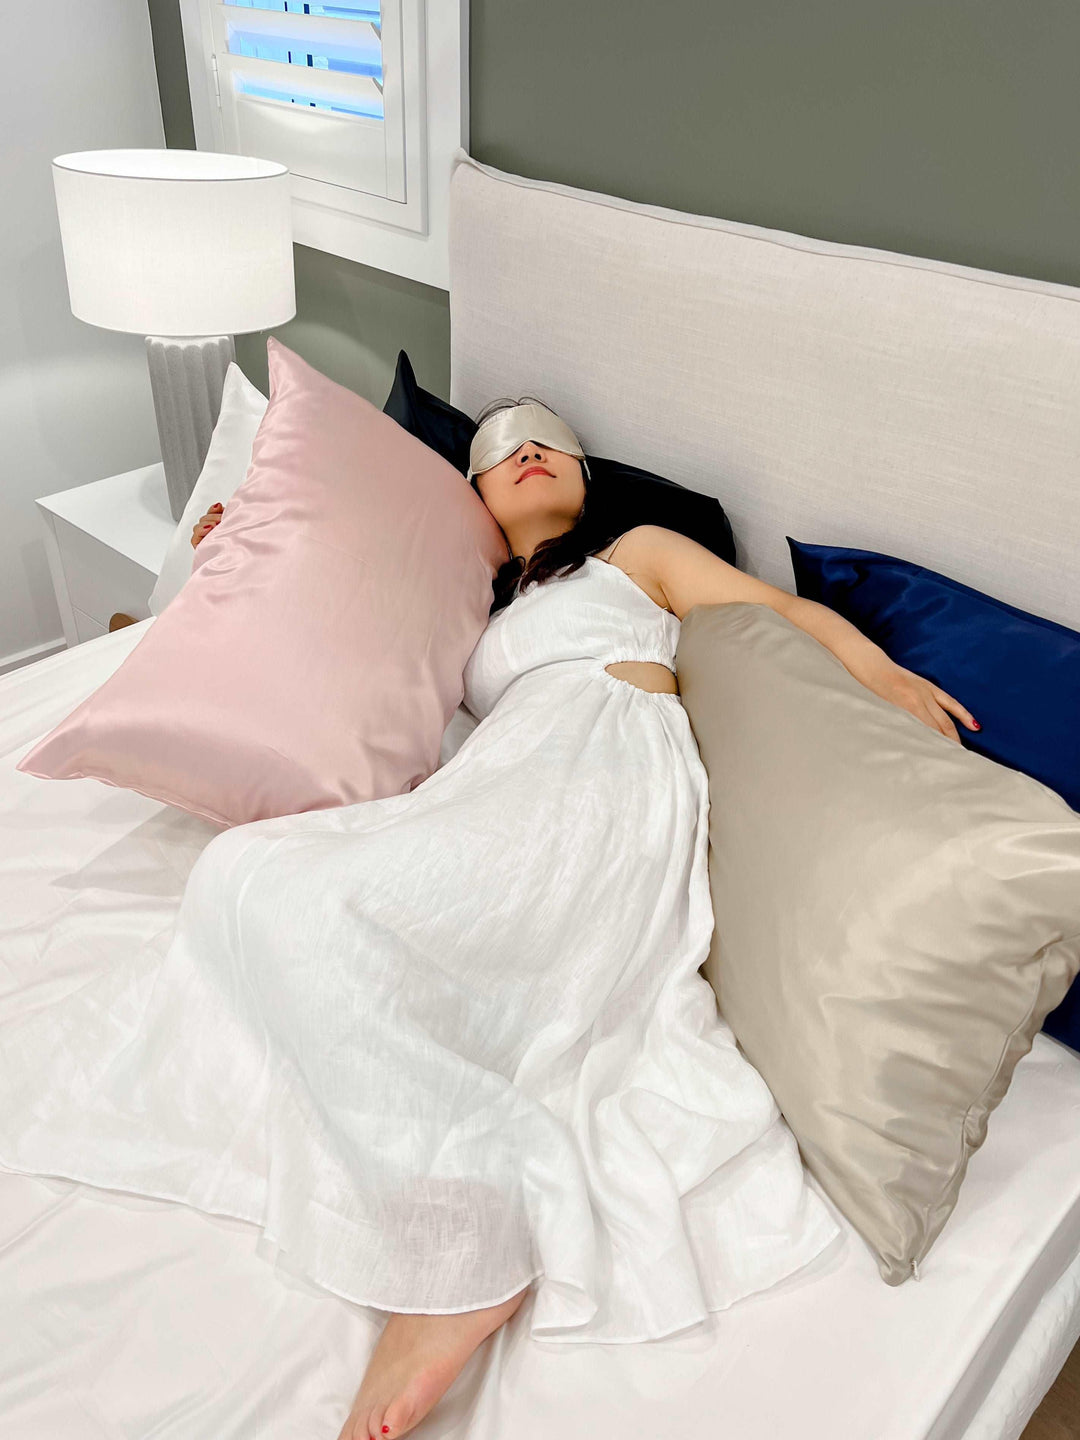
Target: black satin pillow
[
  {"x": 437, "y": 423},
  {"x": 620, "y": 496}
]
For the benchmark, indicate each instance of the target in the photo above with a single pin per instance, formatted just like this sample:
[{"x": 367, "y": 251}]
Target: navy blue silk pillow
[
  {"x": 620, "y": 496},
  {"x": 1018, "y": 674}
]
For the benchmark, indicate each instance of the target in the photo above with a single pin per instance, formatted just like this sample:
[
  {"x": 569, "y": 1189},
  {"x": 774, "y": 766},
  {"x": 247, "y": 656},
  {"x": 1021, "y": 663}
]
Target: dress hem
[{"x": 395, "y": 1309}]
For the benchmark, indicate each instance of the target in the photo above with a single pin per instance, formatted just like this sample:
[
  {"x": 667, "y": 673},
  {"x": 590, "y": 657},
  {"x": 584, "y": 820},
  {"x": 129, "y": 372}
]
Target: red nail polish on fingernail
[
  {"x": 386, "y": 1429},
  {"x": 975, "y": 725}
]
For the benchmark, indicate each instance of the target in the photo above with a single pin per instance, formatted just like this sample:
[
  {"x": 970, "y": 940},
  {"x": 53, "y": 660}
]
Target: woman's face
[{"x": 533, "y": 483}]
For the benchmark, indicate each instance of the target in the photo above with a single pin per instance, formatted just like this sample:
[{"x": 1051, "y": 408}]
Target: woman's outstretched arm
[{"x": 688, "y": 574}]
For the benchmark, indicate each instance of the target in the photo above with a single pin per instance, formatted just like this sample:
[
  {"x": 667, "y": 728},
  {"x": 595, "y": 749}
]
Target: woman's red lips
[{"x": 533, "y": 470}]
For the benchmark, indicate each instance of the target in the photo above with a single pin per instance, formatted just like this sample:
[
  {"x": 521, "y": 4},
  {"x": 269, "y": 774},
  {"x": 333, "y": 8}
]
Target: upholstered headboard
[{"x": 837, "y": 394}]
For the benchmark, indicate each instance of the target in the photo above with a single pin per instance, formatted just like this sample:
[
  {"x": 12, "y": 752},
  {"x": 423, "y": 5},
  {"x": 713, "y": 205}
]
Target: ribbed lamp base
[{"x": 186, "y": 377}]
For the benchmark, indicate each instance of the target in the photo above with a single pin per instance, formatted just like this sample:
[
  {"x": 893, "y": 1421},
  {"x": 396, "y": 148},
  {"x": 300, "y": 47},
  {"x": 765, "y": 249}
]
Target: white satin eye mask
[{"x": 507, "y": 430}]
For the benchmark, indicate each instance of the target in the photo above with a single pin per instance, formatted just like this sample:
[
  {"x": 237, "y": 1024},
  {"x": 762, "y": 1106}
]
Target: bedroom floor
[{"x": 1058, "y": 1417}]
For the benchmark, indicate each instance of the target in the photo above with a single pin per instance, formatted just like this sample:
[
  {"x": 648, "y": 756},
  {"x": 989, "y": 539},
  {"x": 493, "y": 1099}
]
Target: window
[{"x": 363, "y": 100}]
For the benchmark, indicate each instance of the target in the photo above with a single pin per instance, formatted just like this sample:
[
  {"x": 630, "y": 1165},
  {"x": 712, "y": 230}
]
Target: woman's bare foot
[{"x": 417, "y": 1359}]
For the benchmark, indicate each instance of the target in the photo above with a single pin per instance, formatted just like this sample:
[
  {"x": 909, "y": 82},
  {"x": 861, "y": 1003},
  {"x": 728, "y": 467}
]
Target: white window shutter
[{"x": 340, "y": 93}]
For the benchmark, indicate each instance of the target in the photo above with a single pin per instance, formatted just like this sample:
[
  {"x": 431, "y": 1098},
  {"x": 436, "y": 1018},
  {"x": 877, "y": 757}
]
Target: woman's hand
[
  {"x": 914, "y": 694},
  {"x": 207, "y": 523}
]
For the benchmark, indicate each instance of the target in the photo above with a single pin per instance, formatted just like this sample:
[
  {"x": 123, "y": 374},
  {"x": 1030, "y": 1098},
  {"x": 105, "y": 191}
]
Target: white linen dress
[{"x": 443, "y": 1044}]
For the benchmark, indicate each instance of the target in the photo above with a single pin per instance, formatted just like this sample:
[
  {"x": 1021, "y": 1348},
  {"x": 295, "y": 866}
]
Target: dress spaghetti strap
[{"x": 615, "y": 547}]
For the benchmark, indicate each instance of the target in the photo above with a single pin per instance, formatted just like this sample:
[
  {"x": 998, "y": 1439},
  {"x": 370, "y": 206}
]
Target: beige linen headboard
[{"x": 841, "y": 395}]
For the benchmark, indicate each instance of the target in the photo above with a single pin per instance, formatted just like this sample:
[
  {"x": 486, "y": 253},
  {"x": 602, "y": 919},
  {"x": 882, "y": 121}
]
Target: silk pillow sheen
[
  {"x": 895, "y": 918},
  {"x": 316, "y": 654},
  {"x": 226, "y": 465}
]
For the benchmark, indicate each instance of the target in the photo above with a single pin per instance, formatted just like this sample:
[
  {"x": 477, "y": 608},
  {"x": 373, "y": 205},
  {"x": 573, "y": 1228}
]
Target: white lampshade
[{"x": 176, "y": 242}]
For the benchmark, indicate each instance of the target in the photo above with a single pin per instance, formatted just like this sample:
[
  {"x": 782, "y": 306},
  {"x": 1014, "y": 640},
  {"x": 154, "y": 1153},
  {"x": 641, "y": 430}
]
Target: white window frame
[{"x": 407, "y": 236}]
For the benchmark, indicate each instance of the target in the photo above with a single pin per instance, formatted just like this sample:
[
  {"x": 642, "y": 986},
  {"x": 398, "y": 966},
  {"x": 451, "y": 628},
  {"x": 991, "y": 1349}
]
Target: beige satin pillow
[{"x": 895, "y": 917}]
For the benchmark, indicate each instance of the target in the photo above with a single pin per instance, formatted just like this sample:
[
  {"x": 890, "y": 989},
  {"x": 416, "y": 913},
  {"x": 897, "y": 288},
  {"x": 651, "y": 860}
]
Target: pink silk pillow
[{"x": 316, "y": 654}]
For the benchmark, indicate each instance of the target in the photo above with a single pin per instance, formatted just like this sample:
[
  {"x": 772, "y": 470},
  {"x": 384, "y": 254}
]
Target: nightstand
[{"x": 106, "y": 542}]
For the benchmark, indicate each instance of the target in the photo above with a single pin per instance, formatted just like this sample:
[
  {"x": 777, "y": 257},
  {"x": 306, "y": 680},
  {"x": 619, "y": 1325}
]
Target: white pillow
[{"x": 226, "y": 465}]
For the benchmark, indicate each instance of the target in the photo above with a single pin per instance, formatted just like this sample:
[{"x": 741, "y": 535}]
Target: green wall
[
  {"x": 945, "y": 128},
  {"x": 168, "y": 38}
]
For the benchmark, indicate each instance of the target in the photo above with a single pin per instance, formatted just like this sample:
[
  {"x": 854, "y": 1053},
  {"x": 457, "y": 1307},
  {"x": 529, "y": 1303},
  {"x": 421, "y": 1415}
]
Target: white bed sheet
[{"x": 127, "y": 1317}]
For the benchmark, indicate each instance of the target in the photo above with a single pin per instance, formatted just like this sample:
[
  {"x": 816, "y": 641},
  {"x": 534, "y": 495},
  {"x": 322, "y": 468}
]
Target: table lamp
[{"x": 188, "y": 248}]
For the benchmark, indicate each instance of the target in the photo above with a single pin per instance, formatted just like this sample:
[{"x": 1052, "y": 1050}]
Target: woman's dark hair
[{"x": 562, "y": 554}]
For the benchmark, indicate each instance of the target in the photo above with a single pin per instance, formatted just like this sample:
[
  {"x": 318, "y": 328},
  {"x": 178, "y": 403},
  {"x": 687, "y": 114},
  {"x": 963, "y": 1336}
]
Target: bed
[{"x": 840, "y": 395}]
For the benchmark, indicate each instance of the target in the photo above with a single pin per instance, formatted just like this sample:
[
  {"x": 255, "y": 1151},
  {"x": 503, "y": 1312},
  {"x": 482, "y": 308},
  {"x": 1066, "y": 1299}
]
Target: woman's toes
[{"x": 398, "y": 1418}]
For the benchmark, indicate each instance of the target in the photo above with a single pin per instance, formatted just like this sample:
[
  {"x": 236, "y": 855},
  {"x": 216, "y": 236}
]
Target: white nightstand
[{"x": 106, "y": 542}]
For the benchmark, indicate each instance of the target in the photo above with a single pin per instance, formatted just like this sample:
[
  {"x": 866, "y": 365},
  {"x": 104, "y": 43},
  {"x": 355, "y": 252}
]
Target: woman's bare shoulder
[
  {"x": 638, "y": 542},
  {"x": 635, "y": 552}
]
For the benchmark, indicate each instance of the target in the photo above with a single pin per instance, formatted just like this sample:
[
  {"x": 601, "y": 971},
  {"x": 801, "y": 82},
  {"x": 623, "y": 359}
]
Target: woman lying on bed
[
  {"x": 541, "y": 528},
  {"x": 486, "y": 1064}
]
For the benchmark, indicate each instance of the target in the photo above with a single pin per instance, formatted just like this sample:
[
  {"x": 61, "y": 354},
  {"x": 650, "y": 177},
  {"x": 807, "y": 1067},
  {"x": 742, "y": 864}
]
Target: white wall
[{"x": 75, "y": 401}]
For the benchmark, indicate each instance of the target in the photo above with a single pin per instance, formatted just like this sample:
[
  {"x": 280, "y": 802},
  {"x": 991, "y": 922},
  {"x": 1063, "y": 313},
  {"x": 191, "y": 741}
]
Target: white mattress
[{"x": 126, "y": 1317}]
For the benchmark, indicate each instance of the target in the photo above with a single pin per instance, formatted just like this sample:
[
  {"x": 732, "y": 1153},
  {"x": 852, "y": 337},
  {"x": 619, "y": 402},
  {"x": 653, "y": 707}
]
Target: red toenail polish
[{"x": 386, "y": 1429}]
